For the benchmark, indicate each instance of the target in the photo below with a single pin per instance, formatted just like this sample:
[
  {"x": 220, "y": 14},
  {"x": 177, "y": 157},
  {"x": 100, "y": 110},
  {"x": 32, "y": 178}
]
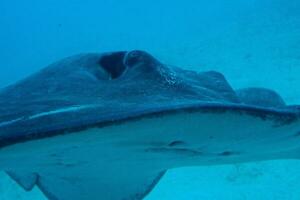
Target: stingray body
[{"x": 108, "y": 126}]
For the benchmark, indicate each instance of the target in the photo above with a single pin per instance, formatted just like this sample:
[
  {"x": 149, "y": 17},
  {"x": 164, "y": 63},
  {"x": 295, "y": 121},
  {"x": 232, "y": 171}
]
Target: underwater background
[{"x": 253, "y": 43}]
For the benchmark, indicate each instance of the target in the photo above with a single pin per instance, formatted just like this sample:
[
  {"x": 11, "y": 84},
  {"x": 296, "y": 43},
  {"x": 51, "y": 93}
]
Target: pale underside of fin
[
  {"x": 125, "y": 160},
  {"x": 128, "y": 186},
  {"x": 77, "y": 184}
]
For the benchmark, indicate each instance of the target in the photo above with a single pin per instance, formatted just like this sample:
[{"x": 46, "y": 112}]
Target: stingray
[{"x": 108, "y": 126}]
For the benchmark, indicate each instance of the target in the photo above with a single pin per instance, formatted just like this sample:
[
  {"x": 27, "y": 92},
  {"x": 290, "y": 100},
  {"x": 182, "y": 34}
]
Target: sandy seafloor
[{"x": 254, "y": 43}]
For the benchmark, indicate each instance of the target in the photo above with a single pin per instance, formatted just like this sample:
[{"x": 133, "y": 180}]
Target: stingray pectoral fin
[
  {"x": 85, "y": 185},
  {"x": 26, "y": 180},
  {"x": 132, "y": 185}
]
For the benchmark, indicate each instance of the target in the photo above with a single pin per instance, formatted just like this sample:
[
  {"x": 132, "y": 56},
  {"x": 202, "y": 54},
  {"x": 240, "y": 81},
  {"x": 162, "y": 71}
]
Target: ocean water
[{"x": 253, "y": 43}]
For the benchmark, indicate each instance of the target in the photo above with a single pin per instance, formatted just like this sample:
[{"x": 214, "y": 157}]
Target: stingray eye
[
  {"x": 113, "y": 64},
  {"x": 133, "y": 58}
]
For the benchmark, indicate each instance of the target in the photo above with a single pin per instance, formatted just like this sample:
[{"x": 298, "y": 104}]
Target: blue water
[{"x": 254, "y": 43}]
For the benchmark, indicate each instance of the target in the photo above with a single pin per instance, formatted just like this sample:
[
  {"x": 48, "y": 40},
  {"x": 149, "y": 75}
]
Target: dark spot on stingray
[
  {"x": 176, "y": 143},
  {"x": 227, "y": 153},
  {"x": 113, "y": 64}
]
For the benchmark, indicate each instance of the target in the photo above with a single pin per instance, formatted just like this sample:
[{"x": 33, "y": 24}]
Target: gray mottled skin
[
  {"x": 145, "y": 85},
  {"x": 95, "y": 90}
]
